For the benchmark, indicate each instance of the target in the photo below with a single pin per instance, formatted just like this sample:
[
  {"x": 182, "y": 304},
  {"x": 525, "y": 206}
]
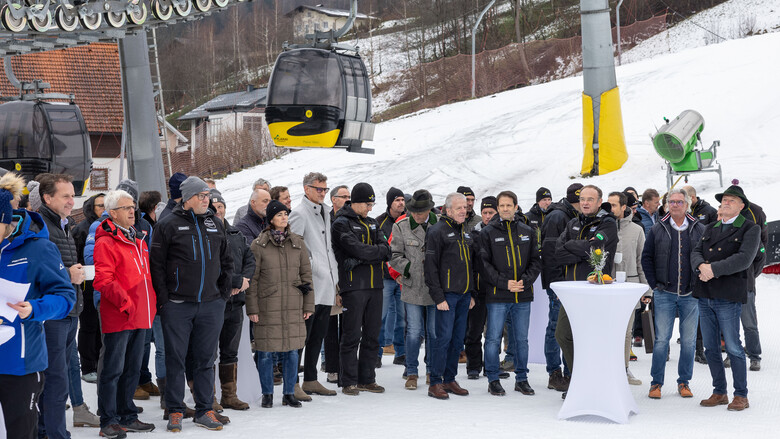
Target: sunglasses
[{"x": 320, "y": 190}]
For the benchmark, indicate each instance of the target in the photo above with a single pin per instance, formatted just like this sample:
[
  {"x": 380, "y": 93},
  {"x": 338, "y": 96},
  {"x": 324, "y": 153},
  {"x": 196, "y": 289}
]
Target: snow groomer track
[{"x": 39, "y": 25}]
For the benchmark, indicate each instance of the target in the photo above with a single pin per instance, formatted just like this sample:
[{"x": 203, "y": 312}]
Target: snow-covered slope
[{"x": 532, "y": 137}]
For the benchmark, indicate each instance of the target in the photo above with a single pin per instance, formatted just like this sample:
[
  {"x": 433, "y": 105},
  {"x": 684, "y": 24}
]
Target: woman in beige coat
[{"x": 278, "y": 301}]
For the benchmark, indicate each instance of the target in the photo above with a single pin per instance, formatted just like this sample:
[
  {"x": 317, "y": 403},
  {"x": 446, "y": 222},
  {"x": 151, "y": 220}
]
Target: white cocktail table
[{"x": 599, "y": 317}]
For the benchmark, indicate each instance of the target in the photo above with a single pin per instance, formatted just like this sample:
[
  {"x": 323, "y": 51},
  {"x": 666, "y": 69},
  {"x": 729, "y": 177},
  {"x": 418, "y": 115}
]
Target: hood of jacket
[
  {"x": 89, "y": 208},
  {"x": 30, "y": 226}
]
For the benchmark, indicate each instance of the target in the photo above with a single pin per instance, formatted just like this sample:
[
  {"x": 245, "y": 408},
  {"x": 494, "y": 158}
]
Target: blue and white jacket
[{"x": 27, "y": 256}]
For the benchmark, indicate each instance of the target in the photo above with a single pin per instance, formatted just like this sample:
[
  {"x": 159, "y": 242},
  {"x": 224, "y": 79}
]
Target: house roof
[
  {"x": 91, "y": 73},
  {"x": 333, "y": 12},
  {"x": 241, "y": 101}
]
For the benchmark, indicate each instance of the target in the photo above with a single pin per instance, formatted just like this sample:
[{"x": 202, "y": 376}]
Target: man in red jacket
[{"x": 127, "y": 307}]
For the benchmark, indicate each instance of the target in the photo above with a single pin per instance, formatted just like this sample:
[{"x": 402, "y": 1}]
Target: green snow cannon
[{"x": 676, "y": 141}]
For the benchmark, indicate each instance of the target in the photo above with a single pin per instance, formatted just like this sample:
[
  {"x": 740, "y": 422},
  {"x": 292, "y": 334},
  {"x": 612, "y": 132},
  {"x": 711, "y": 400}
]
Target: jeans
[
  {"x": 667, "y": 306},
  {"x": 146, "y": 376},
  {"x": 393, "y": 318},
  {"x": 718, "y": 317},
  {"x": 159, "y": 347},
  {"x": 60, "y": 336},
  {"x": 202, "y": 322},
  {"x": 74, "y": 377},
  {"x": 118, "y": 371},
  {"x": 520, "y": 315},
  {"x": 750, "y": 327},
  {"x": 360, "y": 320},
  {"x": 450, "y": 332},
  {"x": 420, "y": 323},
  {"x": 552, "y": 351},
  {"x": 510, "y": 340},
  {"x": 265, "y": 368}
]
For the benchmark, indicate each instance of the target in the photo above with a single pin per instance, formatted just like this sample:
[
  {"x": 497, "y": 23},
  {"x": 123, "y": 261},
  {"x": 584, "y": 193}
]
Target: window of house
[
  {"x": 98, "y": 180},
  {"x": 253, "y": 124},
  {"x": 325, "y": 25}
]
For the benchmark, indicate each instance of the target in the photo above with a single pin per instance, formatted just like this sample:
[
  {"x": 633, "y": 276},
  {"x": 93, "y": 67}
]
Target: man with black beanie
[
  {"x": 391, "y": 334},
  {"x": 361, "y": 250},
  {"x": 472, "y": 219},
  {"x": 539, "y": 210},
  {"x": 173, "y": 185}
]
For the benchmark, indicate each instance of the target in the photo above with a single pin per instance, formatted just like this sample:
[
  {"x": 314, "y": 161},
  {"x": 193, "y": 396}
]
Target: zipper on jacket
[
  {"x": 466, "y": 258},
  {"x": 350, "y": 275},
  {"x": 448, "y": 278},
  {"x": 508, "y": 262},
  {"x": 368, "y": 241},
  {"x": 512, "y": 244},
  {"x": 146, "y": 284},
  {"x": 177, "y": 281},
  {"x": 202, "y": 260},
  {"x": 194, "y": 253},
  {"x": 21, "y": 329}
]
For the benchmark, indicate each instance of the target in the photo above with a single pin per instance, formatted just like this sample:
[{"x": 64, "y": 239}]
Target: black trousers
[
  {"x": 19, "y": 398},
  {"x": 474, "y": 329},
  {"x": 230, "y": 336},
  {"x": 360, "y": 324},
  {"x": 89, "y": 339},
  {"x": 332, "y": 340},
  {"x": 202, "y": 322},
  {"x": 316, "y": 329}
]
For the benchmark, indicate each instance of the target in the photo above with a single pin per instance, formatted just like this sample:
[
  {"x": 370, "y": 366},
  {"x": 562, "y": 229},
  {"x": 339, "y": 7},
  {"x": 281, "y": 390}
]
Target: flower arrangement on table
[{"x": 597, "y": 258}]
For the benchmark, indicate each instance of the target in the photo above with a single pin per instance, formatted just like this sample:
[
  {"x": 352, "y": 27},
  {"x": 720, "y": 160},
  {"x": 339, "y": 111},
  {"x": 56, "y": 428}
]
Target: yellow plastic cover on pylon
[{"x": 612, "y": 142}]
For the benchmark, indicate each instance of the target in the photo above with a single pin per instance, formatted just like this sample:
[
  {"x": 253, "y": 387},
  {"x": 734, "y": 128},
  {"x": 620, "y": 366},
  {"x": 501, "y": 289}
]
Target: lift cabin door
[
  {"x": 25, "y": 146},
  {"x": 70, "y": 143},
  {"x": 306, "y": 99}
]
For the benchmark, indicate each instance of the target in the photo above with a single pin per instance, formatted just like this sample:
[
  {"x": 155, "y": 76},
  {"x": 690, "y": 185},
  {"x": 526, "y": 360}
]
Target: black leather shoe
[
  {"x": 524, "y": 388},
  {"x": 400, "y": 360},
  {"x": 473, "y": 374},
  {"x": 291, "y": 401},
  {"x": 495, "y": 388},
  {"x": 267, "y": 402}
]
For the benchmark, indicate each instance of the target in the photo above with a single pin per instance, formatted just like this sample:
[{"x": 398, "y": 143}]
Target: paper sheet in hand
[{"x": 11, "y": 292}]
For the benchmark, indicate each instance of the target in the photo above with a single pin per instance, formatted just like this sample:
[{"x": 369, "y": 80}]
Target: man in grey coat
[
  {"x": 311, "y": 219},
  {"x": 407, "y": 243}
]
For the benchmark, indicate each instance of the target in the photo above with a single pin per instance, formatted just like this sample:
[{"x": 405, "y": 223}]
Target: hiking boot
[
  {"x": 82, "y": 417},
  {"x": 727, "y": 362},
  {"x": 507, "y": 366},
  {"x": 634, "y": 381},
  {"x": 188, "y": 413},
  {"x": 90, "y": 377},
  {"x": 267, "y": 401},
  {"x": 208, "y": 421},
  {"x": 557, "y": 381},
  {"x": 315, "y": 388},
  {"x": 400, "y": 360},
  {"x": 113, "y": 431},
  {"x": 350, "y": 390},
  {"x": 333, "y": 378},
  {"x": 174, "y": 422},
  {"x": 140, "y": 394},
  {"x": 755, "y": 365},
  {"x": 224, "y": 420},
  {"x": 151, "y": 389},
  {"x": 472, "y": 374},
  {"x": 495, "y": 388},
  {"x": 631, "y": 355},
  {"x": 217, "y": 407},
  {"x": 699, "y": 357},
  {"x": 227, "y": 378},
  {"x": 411, "y": 382},
  {"x": 454, "y": 387},
  {"x": 437, "y": 391},
  {"x": 738, "y": 404},
  {"x": 715, "y": 400},
  {"x": 372, "y": 387},
  {"x": 684, "y": 390},
  {"x": 300, "y": 395},
  {"x": 291, "y": 401},
  {"x": 138, "y": 427},
  {"x": 388, "y": 350},
  {"x": 462, "y": 359},
  {"x": 655, "y": 391},
  {"x": 637, "y": 342},
  {"x": 524, "y": 388}
]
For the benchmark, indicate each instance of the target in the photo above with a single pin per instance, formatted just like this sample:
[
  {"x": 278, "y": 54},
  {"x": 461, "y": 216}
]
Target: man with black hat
[
  {"x": 391, "y": 334},
  {"x": 723, "y": 260},
  {"x": 173, "y": 186},
  {"x": 472, "y": 219},
  {"x": 361, "y": 250},
  {"x": 192, "y": 271},
  {"x": 558, "y": 215},
  {"x": 230, "y": 335},
  {"x": 408, "y": 245},
  {"x": 449, "y": 275},
  {"x": 536, "y": 214}
]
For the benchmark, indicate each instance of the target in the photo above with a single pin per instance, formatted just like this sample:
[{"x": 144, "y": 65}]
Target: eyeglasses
[
  {"x": 370, "y": 205},
  {"x": 126, "y": 208},
  {"x": 203, "y": 196},
  {"x": 320, "y": 190},
  {"x": 676, "y": 202},
  {"x": 588, "y": 200},
  {"x": 346, "y": 197},
  {"x": 99, "y": 205}
]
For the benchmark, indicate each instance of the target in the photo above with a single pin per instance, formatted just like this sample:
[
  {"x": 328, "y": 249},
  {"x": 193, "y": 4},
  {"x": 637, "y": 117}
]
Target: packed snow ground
[{"x": 521, "y": 140}]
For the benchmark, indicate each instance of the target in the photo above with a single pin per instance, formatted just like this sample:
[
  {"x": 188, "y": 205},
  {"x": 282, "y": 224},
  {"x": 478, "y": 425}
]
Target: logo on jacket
[
  {"x": 210, "y": 223},
  {"x": 499, "y": 239}
]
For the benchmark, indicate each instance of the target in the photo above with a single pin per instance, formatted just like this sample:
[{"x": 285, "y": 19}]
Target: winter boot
[
  {"x": 150, "y": 388},
  {"x": 300, "y": 395},
  {"x": 82, "y": 417},
  {"x": 227, "y": 377}
]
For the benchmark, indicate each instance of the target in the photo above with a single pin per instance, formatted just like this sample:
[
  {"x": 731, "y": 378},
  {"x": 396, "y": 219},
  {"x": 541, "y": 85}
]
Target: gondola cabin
[
  {"x": 40, "y": 137},
  {"x": 319, "y": 99}
]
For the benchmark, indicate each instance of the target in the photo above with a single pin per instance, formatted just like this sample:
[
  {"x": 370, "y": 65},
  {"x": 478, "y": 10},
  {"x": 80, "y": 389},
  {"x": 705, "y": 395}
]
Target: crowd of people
[{"x": 328, "y": 286}]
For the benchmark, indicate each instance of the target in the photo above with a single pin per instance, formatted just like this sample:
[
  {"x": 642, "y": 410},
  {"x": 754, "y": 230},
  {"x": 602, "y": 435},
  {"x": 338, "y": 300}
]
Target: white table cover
[{"x": 599, "y": 317}]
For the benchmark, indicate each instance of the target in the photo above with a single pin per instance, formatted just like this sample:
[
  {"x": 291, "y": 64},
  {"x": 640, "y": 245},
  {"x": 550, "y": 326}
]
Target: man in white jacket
[{"x": 311, "y": 219}]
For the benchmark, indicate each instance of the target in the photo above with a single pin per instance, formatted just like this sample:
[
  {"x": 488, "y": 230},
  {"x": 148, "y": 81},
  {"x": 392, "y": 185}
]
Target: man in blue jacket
[{"x": 28, "y": 257}]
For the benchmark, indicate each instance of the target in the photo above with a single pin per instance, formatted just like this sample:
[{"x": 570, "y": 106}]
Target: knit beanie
[
  {"x": 465, "y": 190},
  {"x": 192, "y": 186},
  {"x": 392, "y": 194},
  {"x": 35, "y": 195},
  {"x": 363, "y": 193},
  {"x": 129, "y": 186},
  {"x": 543, "y": 193},
  {"x": 489, "y": 202},
  {"x": 573, "y": 193},
  {"x": 174, "y": 182},
  {"x": 273, "y": 208}
]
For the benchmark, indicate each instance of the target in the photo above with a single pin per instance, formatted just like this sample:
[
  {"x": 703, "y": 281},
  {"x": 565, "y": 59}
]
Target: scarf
[{"x": 278, "y": 236}]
